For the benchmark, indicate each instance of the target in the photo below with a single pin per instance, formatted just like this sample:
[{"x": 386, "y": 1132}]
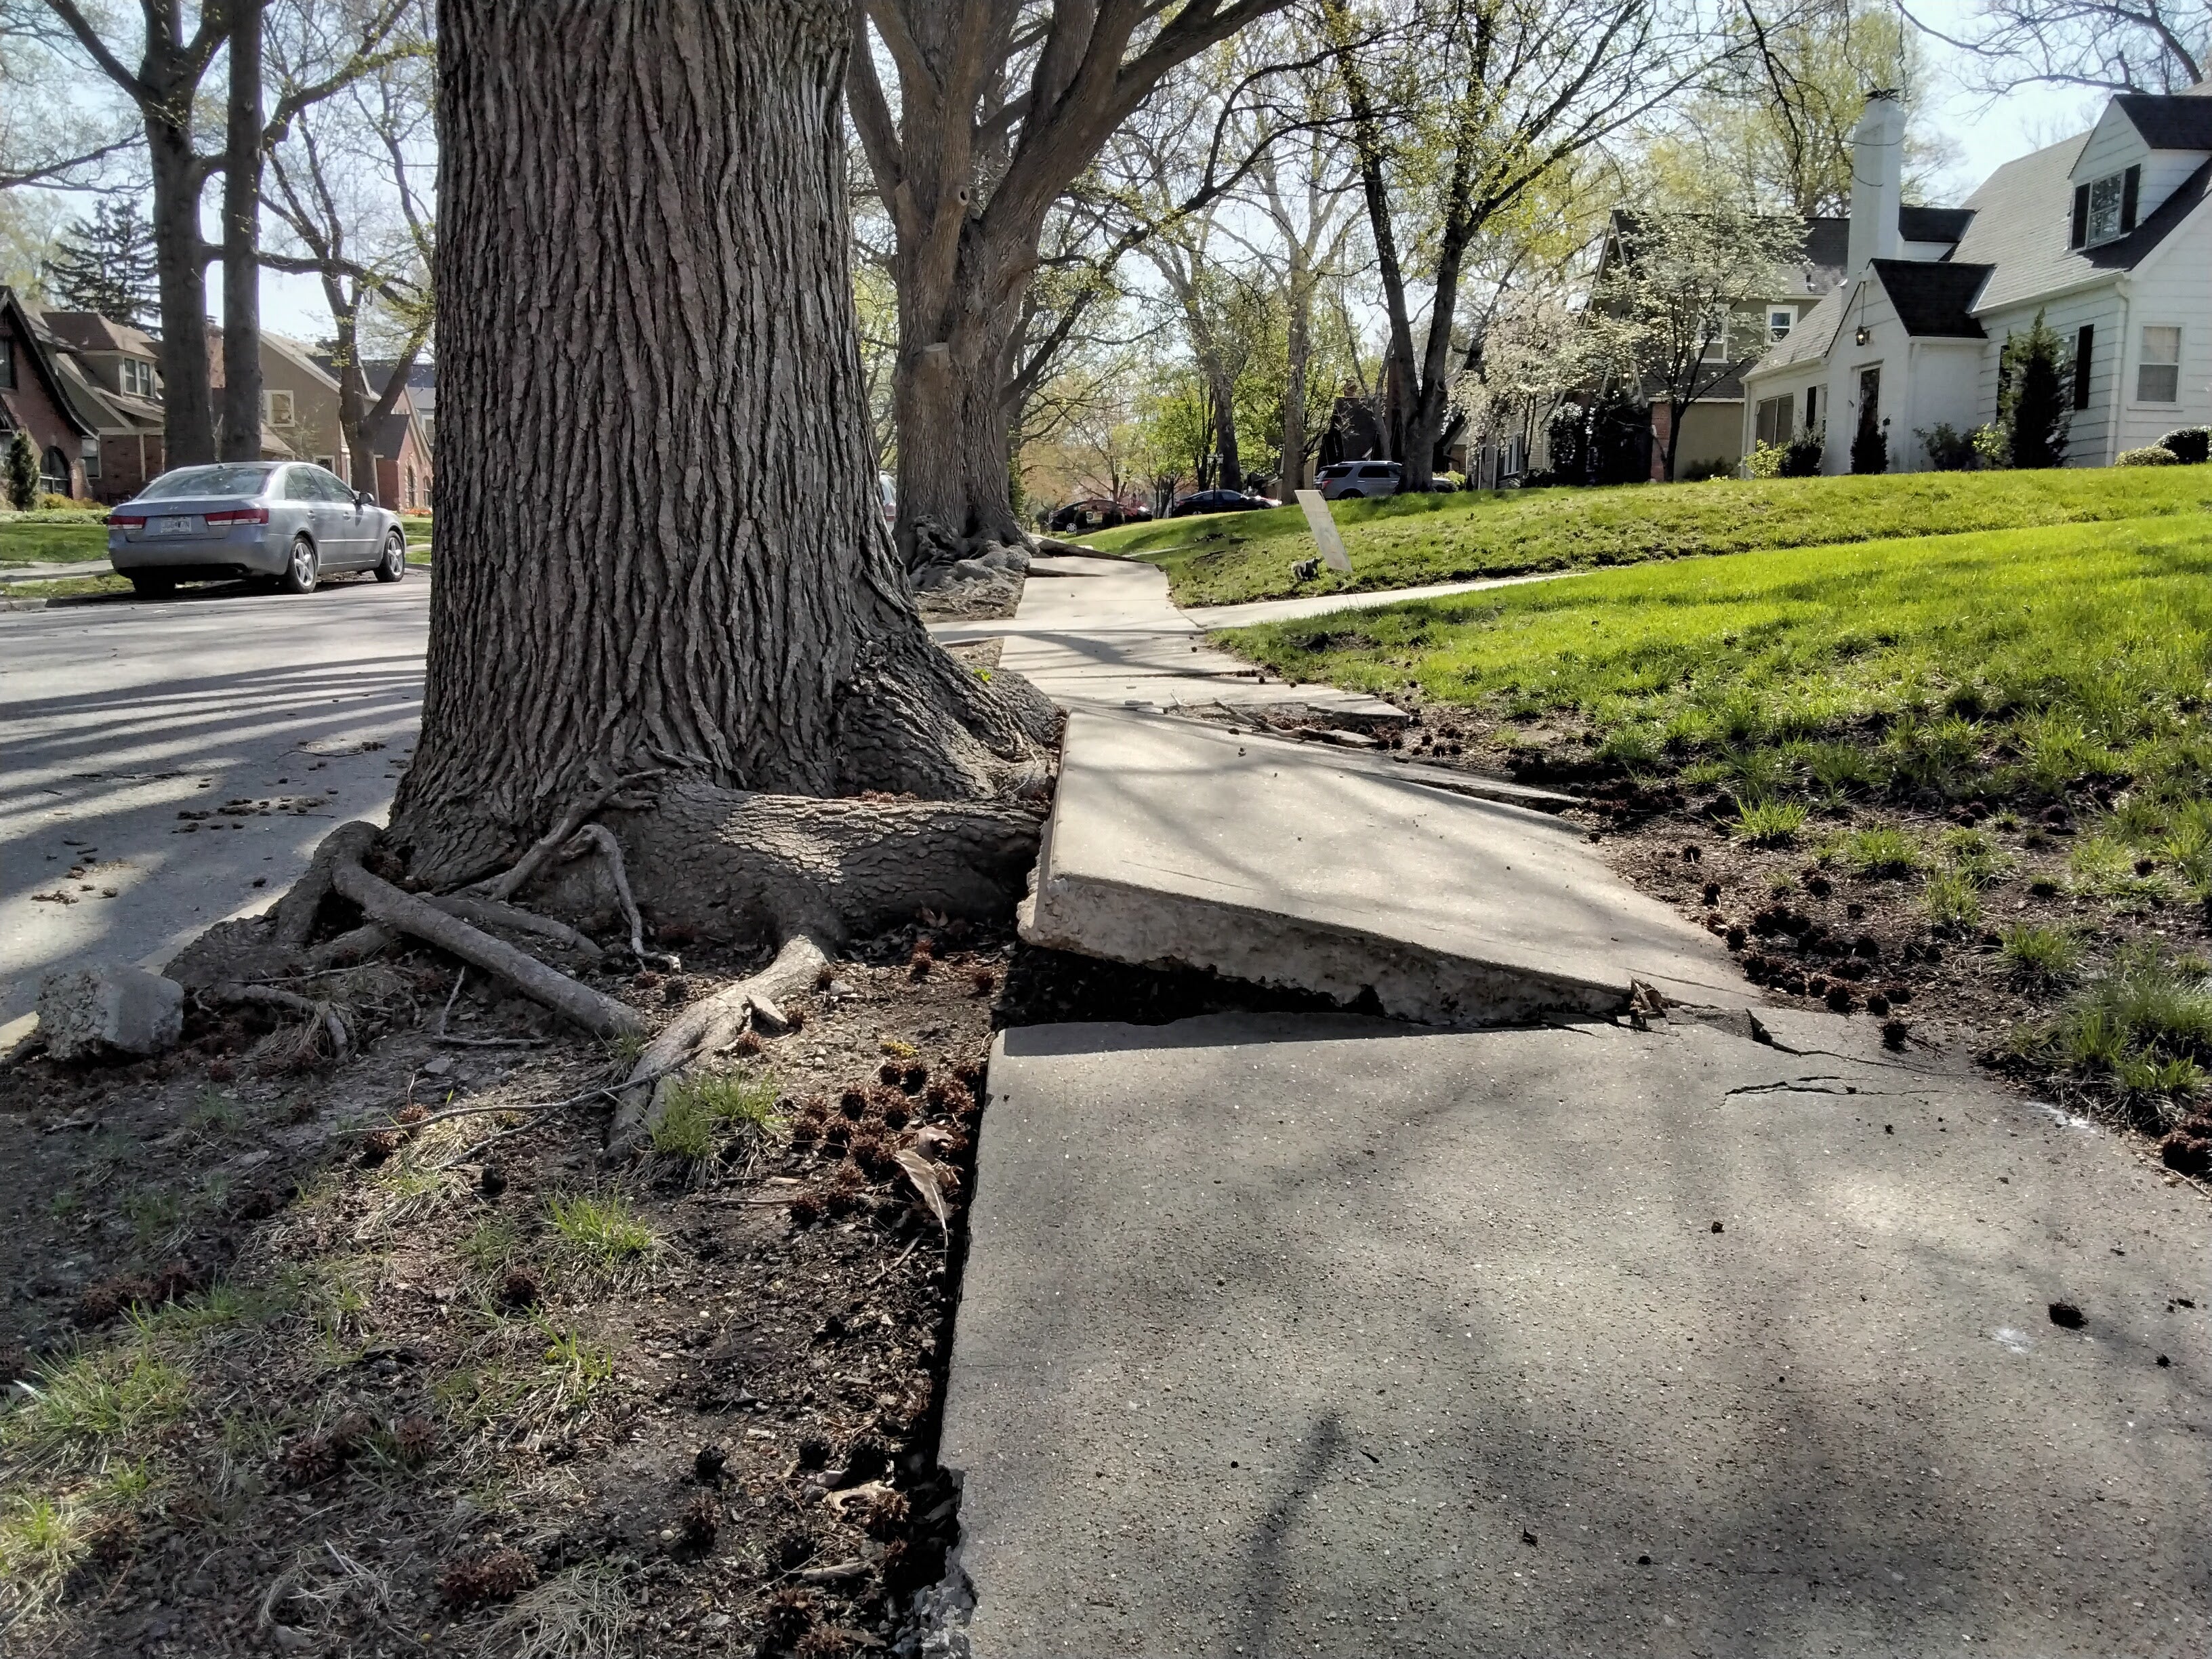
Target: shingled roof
[{"x": 1932, "y": 298}]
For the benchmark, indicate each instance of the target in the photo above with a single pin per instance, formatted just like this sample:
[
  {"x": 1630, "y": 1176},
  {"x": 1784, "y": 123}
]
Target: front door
[{"x": 1870, "y": 396}]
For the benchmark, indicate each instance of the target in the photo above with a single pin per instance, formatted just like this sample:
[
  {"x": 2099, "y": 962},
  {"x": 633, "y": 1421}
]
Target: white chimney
[{"x": 1877, "y": 181}]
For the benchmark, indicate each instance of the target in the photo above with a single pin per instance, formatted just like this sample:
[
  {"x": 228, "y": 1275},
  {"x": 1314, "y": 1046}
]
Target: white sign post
[{"x": 1324, "y": 531}]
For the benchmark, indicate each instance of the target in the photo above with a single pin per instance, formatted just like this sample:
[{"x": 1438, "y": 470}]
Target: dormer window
[
  {"x": 138, "y": 377},
  {"x": 2104, "y": 208}
]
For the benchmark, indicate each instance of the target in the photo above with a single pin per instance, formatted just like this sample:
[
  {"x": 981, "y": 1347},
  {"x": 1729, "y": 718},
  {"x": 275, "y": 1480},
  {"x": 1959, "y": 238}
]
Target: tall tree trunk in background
[
  {"x": 1298, "y": 354},
  {"x": 164, "y": 87},
  {"x": 181, "y": 262},
  {"x": 240, "y": 435},
  {"x": 659, "y": 541}
]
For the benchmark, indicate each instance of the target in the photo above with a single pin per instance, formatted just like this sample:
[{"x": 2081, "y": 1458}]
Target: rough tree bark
[
  {"x": 239, "y": 437},
  {"x": 658, "y": 543},
  {"x": 994, "y": 120}
]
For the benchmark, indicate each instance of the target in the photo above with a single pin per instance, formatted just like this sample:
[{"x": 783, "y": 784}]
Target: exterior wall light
[{"x": 1864, "y": 334}]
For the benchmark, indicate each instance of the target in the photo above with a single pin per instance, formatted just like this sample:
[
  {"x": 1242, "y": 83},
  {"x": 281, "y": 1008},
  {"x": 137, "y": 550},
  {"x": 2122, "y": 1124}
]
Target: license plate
[{"x": 182, "y": 527}]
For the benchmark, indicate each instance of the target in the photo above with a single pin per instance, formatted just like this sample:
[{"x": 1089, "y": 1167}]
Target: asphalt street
[{"x": 165, "y": 765}]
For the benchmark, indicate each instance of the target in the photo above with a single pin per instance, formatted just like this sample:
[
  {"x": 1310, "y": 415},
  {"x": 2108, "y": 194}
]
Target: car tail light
[
  {"x": 238, "y": 515},
  {"x": 126, "y": 520}
]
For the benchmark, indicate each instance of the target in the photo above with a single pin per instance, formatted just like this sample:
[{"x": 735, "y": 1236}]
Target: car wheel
[
  {"x": 394, "y": 565},
  {"x": 302, "y": 568},
  {"x": 154, "y": 587}
]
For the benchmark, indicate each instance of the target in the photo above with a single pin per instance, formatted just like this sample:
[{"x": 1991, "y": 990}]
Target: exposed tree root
[
  {"x": 489, "y": 913},
  {"x": 602, "y": 1016},
  {"x": 320, "y": 1018},
  {"x": 705, "y": 1030},
  {"x": 597, "y": 838}
]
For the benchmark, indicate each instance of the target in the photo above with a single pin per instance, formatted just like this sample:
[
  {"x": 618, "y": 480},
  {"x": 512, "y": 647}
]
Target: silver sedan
[{"x": 289, "y": 520}]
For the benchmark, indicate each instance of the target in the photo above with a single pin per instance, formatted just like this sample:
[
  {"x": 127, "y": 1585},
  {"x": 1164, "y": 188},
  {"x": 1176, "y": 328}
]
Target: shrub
[
  {"x": 2151, "y": 455},
  {"x": 1801, "y": 455},
  {"x": 1950, "y": 450},
  {"x": 1869, "y": 449},
  {"x": 1704, "y": 471},
  {"x": 1765, "y": 460},
  {"x": 2192, "y": 444},
  {"x": 22, "y": 472},
  {"x": 2032, "y": 402}
]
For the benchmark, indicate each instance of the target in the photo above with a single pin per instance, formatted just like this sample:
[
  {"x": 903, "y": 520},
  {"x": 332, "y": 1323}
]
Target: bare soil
[{"x": 412, "y": 1413}]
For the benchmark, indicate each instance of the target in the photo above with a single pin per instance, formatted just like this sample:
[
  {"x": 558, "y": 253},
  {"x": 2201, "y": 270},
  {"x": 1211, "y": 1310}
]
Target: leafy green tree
[
  {"x": 1869, "y": 447},
  {"x": 22, "y": 472},
  {"x": 2032, "y": 404}
]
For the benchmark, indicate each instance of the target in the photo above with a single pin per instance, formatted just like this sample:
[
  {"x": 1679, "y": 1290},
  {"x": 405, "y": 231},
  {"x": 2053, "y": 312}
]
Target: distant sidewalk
[
  {"x": 56, "y": 570},
  {"x": 1323, "y": 604}
]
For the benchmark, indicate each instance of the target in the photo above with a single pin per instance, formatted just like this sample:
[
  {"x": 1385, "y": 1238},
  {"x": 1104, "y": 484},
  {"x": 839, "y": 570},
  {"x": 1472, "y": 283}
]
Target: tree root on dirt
[
  {"x": 602, "y": 1016},
  {"x": 705, "y": 1030},
  {"x": 318, "y": 1018}
]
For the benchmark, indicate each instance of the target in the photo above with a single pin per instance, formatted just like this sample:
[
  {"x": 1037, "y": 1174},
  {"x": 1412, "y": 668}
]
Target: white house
[{"x": 2108, "y": 234}]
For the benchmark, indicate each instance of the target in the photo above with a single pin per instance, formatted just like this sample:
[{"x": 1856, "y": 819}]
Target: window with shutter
[
  {"x": 2158, "y": 375},
  {"x": 2131, "y": 197},
  {"x": 2081, "y": 235},
  {"x": 2084, "y": 347}
]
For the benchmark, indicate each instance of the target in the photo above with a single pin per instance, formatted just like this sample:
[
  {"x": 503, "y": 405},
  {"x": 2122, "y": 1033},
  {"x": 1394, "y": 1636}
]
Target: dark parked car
[
  {"x": 1218, "y": 500},
  {"x": 292, "y": 521},
  {"x": 1096, "y": 512}
]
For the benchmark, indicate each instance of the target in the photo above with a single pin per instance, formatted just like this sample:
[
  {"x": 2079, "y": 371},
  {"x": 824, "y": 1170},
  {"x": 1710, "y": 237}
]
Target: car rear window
[
  {"x": 1336, "y": 472},
  {"x": 1378, "y": 471},
  {"x": 206, "y": 481}
]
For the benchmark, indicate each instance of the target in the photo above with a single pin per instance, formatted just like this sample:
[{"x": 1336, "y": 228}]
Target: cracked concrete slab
[
  {"x": 1175, "y": 844},
  {"x": 1319, "y": 1335}
]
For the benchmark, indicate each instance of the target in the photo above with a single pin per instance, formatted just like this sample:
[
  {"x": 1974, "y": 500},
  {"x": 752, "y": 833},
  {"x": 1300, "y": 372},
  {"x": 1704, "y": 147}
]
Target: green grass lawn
[
  {"x": 1404, "y": 541},
  {"x": 1835, "y": 700},
  {"x": 2034, "y": 659},
  {"x": 37, "y": 538}
]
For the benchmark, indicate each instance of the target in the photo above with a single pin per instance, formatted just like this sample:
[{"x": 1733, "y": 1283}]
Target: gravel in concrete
[
  {"x": 1175, "y": 844},
  {"x": 1311, "y": 1335}
]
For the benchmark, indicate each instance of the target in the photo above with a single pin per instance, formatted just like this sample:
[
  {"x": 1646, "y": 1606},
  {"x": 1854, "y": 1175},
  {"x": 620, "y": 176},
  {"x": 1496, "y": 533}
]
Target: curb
[{"x": 110, "y": 598}]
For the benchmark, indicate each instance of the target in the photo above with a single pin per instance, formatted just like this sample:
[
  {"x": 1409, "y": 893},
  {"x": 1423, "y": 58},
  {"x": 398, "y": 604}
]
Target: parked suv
[
  {"x": 1360, "y": 479},
  {"x": 291, "y": 520}
]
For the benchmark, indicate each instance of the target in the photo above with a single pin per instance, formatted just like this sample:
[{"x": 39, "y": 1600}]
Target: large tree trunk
[
  {"x": 958, "y": 339},
  {"x": 658, "y": 535},
  {"x": 240, "y": 430},
  {"x": 187, "y": 397}
]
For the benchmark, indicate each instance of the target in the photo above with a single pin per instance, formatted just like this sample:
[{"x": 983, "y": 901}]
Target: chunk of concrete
[
  {"x": 1173, "y": 844},
  {"x": 1296, "y": 1334},
  {"x": 84, "y": 1012}
]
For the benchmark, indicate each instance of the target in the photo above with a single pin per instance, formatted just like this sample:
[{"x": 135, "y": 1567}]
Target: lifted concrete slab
[
  {"x": 1173, "y": 844},
  {"x": 1308, "y": 605},
  {"x": 1312, "y": 1335}
]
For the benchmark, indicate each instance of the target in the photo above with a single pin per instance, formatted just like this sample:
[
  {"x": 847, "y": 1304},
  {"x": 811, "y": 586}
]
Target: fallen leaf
[{"x": 923, "y": 1174}]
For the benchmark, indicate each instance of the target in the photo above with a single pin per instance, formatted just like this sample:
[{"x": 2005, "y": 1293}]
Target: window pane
[
  {"x": 207, "y": 481},
  {"x": 2161, "y": 345},
  {"x": 2104, "y": 208},
  {"x": 2157, "y": 383}
]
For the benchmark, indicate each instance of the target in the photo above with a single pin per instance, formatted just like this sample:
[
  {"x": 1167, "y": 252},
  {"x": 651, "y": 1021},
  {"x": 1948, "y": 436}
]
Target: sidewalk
[{"x": 55, "y": 570}]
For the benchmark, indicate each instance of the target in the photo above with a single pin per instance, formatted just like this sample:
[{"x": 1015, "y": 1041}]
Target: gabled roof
[
  {"x": 1933, "y": 298},
  {"x": 1808, "y": 342},
  {"x": 36, "y": 348},
  {"x": 2170, "y": 122},
  {"x": 88, "y": 330},
  {"x": 299, "y": 357},
  {"x": 2021, "y": 226}
]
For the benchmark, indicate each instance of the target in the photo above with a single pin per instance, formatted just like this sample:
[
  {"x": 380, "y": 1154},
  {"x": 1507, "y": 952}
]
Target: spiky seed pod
[
  {"x": 823, "y": 1642},
  {"x": 867, "y": 1150},
  {"x": 984, "y": 981},
  {"x": 887, "y": 1514},
  {"x": 351, "y": 1432},
  {"x": 925, "y": 949},
  {"x": 308, "y": 1459},
  {"x": 805, "y": 1132},
  {"x": 817, "y": 1108},
  {"x": 806, "y": 1209},
  {"x": 701, "y": 1520},
  {"x": 415, "y": 1439},
  {"x": 813, "y": 1452},
  {"x": 748, "y": 1044},
  {"x": 853, "y": 1103},
  {"x": 519, "y": 1289},
  {"x": 376, "y": 1148},
  {"x": 895, "y": 1115},
  {"x": 496, "y": 1576},
  {"x": 888, "y": 1073},
  {"x": 789, "y": 1616},
  {"x": 410, "y": 1115},
  {"x": 914, "y": 1078}
]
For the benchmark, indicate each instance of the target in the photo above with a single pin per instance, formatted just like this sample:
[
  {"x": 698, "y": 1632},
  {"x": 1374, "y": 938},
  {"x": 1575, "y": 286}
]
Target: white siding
[
  {"x": 1945, "y": 387},
  {"x": 2171, "y": 288},
  {"x": 1867, "y": 306},
  {"x": 2100, "y": 307},
  {"x": 2114, "y": 144}
]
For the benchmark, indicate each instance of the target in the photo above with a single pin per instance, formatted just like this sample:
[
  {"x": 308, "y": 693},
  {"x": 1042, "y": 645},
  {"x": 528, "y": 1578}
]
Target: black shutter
[
  {"x": 2130, "y": 194},
  {"x": 2080, "y": 216},
  {"x": 2084, "y": 347}
]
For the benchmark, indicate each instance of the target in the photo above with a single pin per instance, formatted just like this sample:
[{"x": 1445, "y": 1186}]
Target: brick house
[
  {"x": 35, "y": 397},
  {"x": 114, "y": 369}
]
